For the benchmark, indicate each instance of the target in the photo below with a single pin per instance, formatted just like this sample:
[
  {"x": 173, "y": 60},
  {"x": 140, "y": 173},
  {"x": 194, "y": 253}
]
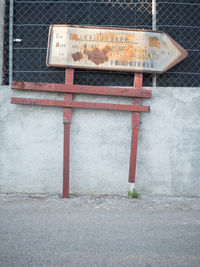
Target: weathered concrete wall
[{"x": 31, "y": 146}]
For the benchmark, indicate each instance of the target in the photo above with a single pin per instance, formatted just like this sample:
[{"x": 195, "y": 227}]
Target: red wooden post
[
  {"x": 135, "y": 129},
  {"x": 67, "y": 114}
]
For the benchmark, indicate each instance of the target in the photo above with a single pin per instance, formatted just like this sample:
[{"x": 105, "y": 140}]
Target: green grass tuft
[{"x": 134, "y": 194}]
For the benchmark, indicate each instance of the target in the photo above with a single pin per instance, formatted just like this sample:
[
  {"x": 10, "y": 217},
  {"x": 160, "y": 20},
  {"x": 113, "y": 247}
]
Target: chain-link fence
[{"x": 180, "y": 19}]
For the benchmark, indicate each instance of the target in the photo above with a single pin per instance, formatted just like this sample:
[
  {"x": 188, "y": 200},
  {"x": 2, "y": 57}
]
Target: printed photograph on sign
[{"x": 112, "y": 49}]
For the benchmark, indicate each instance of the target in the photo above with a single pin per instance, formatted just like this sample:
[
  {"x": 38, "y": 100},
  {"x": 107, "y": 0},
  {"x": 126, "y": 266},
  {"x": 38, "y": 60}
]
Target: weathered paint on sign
[{"x": 112, "y": 49}]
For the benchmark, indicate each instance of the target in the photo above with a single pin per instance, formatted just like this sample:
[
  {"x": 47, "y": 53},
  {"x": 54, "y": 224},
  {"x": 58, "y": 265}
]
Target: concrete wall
[{"x": 31, "y": 145}]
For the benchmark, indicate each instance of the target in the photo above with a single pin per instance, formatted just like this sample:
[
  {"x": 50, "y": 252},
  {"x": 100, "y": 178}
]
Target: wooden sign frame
[{"x": 68, "y": 89}]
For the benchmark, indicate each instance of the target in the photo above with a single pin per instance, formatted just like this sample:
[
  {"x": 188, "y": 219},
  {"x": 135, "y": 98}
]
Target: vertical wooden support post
[
  {"x": 135, "y": 129},
  {"x": 67, "y": 114}
]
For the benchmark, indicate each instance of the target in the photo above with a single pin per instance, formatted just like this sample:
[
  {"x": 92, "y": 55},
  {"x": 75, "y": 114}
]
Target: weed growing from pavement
[{"x": 134, "y": 194}]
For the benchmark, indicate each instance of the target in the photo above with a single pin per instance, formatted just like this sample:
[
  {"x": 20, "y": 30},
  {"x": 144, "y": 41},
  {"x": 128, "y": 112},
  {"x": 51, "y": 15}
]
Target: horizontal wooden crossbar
[
  {"x": 81, "y": 89},
  {"x": 76, "y": 104}
]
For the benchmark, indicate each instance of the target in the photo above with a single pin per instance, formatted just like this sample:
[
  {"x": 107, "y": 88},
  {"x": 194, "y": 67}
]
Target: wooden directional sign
[{"x": 112, "y": 49}]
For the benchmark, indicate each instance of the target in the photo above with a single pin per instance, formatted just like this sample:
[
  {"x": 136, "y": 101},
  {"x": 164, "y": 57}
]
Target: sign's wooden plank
[
  {"x": 81, "y": 89},
  {"x": 77, "y": 104},
  {"x": 112, "y": 49}
]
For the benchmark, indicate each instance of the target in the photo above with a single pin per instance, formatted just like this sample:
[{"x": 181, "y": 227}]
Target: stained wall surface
[{"x": 31, "y": 145}]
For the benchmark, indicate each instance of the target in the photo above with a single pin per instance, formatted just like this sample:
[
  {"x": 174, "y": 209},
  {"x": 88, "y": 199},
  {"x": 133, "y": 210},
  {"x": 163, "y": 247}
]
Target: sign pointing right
[
  {"x": 169, "y": 53},
  {"x": 112, "y": 49}
]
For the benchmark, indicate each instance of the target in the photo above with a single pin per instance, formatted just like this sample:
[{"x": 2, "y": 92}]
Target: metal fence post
[
  {"x": 154, "y": 29},
  {"x": 11, "y": 41}
]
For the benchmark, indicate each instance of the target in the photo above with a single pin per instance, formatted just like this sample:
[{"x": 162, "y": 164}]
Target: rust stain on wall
[
  {"x": 98, "y": 56},
  {"x": 77, "y": 56}
]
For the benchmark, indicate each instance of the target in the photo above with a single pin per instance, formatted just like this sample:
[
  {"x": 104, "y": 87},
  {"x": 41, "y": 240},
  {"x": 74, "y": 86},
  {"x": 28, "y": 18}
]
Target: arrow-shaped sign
[{"x": 112, "y": 49}]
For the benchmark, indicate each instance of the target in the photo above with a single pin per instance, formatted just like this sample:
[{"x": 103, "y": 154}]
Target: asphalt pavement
[{"x": 91, "y": 230}]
